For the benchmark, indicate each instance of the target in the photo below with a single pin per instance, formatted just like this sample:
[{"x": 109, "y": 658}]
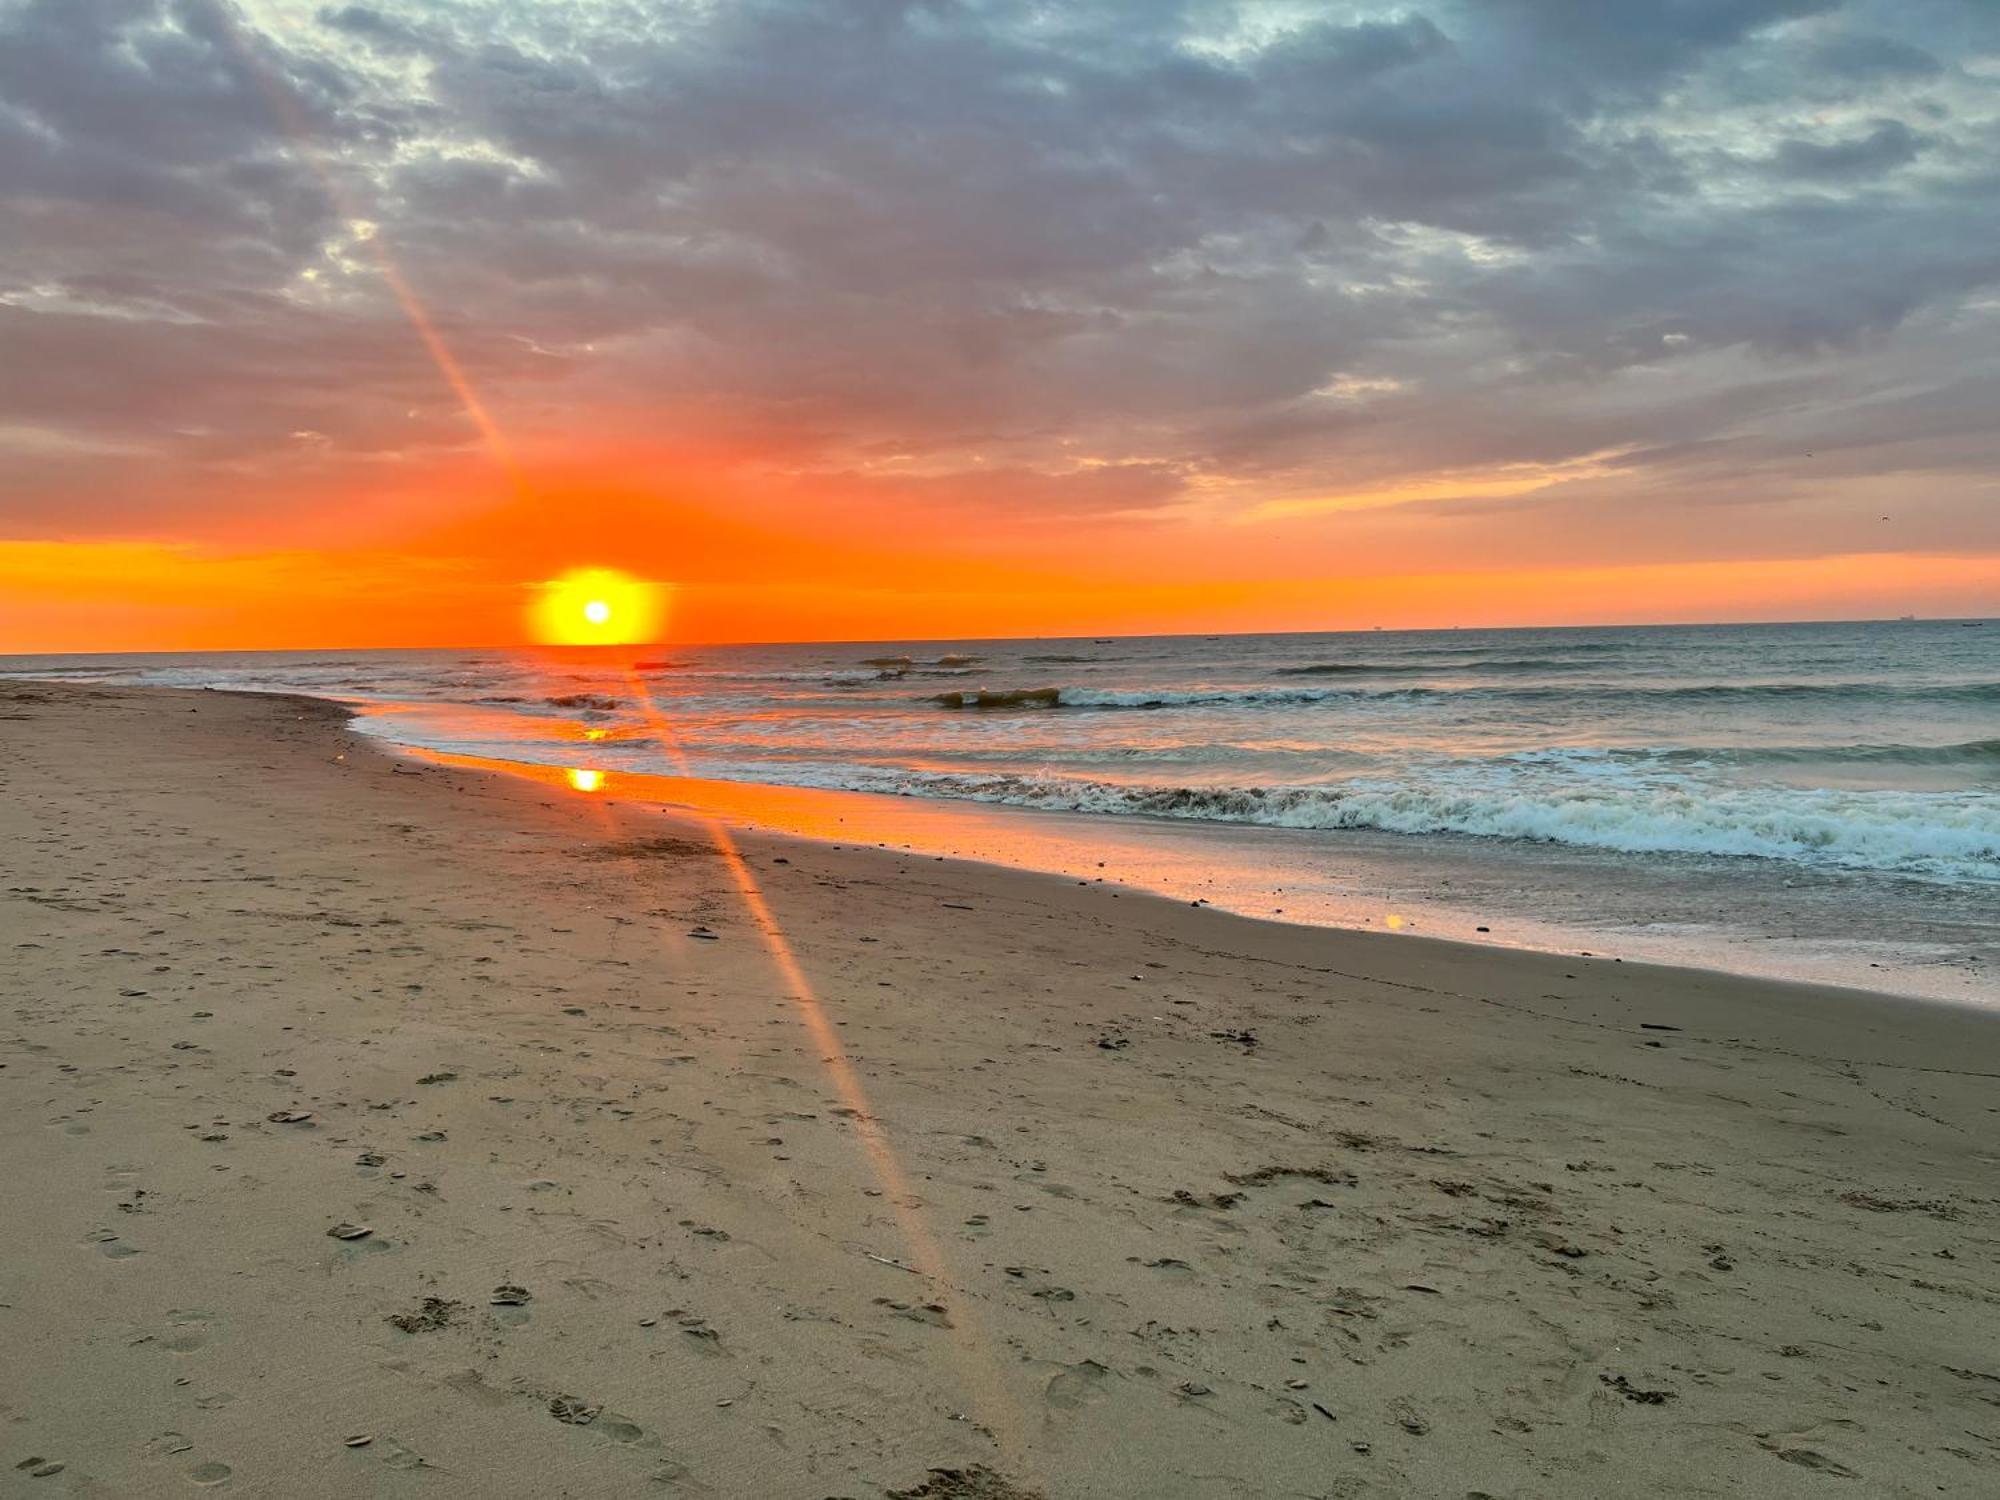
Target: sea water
[{"x": 1816, "y": 801}]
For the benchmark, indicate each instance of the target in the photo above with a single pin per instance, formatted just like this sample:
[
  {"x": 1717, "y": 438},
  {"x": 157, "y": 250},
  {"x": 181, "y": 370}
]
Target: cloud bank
[{"x": 1542, "y": 281}]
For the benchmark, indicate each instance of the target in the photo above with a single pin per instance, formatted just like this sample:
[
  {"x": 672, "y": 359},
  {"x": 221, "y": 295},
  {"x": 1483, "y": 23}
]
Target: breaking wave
[
  {"x": 1009, "y": 698},
  {"x": 1916, "y": 833},
  {"x": 1965, "y": 753},
  {"x": 1250, "y": 697},
  {"x": 1496, "y": 665}
]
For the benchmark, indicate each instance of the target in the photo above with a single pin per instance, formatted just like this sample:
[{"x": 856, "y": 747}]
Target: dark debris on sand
[
  {"x": 576, "y": 1413},
  {"x": 1326, "y": 1176},
  {"x": 429, "y": 1315},
  {"x": 975, "y": 1483},
  {"x": 663, "y": 847},
  {"x": 1632, "y": 1392}
]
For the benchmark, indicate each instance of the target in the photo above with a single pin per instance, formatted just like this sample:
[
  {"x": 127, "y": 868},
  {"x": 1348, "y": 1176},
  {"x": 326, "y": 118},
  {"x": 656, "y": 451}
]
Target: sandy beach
[{"x": 384, "y": 1128}]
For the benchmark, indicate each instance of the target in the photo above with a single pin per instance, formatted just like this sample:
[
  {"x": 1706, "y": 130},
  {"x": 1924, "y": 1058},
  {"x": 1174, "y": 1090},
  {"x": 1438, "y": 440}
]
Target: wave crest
[
  {"x": 1915, "y": 833},
  {"x": 1011, "y": 698},
  {"x": 1253, "y": 697}
]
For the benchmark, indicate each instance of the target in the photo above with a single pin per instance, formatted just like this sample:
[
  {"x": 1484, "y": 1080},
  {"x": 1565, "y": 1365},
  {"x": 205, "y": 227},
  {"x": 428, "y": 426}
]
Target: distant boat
[
  {"x": 1970, "y": 624},
  {"x": 1906, "y": 617}
]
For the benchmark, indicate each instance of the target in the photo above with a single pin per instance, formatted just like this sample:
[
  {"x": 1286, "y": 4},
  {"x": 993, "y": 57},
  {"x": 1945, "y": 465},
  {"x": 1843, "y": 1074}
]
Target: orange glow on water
[{"x": 581, "y": 780}]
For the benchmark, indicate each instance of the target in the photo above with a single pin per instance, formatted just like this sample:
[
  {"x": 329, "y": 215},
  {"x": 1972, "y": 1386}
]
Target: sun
[{"x": 597, "y": 607}]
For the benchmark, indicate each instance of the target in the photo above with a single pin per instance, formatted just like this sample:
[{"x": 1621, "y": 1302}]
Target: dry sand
[{"x": 909, "y": 1166}]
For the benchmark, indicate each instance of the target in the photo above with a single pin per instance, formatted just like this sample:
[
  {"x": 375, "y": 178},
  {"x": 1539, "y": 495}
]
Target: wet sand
[
  {"x": 1749, "y": 916},
  {"x": 376, "y": 1128}
]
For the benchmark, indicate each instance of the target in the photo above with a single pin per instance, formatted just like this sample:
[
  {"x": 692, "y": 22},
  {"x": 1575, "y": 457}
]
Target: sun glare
[
  {"x": 585, "y": 781},
  {"x": 597, "y": 607}
]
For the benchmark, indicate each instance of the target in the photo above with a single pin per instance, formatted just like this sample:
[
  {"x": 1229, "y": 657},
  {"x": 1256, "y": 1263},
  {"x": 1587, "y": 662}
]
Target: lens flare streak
[
  {"x": 982, "y": 1388},
  {"x": 292, "y": 120},
  {"x": 925, "y": 1257}
]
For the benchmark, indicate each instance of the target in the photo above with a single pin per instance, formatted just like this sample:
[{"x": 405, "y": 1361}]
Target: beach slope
[{"x": 379, "y": 1128}]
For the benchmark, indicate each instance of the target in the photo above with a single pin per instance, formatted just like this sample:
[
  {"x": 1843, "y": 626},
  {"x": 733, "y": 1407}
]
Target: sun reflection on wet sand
[
  {"x": 922, "y": 1255},
  {"x": 926, "y": 1256}
]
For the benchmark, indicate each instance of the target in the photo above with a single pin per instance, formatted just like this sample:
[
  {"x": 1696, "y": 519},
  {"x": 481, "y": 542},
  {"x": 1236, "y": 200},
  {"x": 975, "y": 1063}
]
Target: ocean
[{"x": 1812, "y": 801}]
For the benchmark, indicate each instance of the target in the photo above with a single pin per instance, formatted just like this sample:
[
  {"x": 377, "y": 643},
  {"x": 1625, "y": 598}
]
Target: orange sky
[
  {"x": 759, "y": 539},
  {"x": 452, "y": 555},
  {"x": 325, "y": 329},
  {"x": 449, "y": 547},
  {"x": 152, "y": 595}
]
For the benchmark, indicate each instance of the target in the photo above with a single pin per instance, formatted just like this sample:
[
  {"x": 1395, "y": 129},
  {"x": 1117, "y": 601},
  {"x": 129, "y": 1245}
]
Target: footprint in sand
[
  {"x": 210, "y": 1473},
  {"x": 618, "y": 1428},
  {"x": 1286, "y": 1409},
  {"x": 471, "y": 1383},
  {"x": 1793, "y": 1447},
  {"x": 109, "y": 1245},
  {"x": 575, "y": 1412},
  {"x": 185, "y": 1331},
  {"x": 1076, "y": 1385},
  {"x": 396, "y": 1455},
  {"x": 347, "y": 1252},
  {"x": 1812, "y": 1458}
]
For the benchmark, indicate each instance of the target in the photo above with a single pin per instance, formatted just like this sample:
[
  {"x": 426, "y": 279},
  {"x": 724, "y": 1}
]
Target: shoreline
[
  {"x": 1550, "y": 862},
  {"x": 825, "y": 1167},
  {"x": 999, "y": 837},
  {"x": 724, "y": 801}
]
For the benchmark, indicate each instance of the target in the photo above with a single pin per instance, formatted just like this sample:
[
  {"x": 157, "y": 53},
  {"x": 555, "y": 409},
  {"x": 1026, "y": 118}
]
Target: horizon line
[{"x": 1159, "y": 635}]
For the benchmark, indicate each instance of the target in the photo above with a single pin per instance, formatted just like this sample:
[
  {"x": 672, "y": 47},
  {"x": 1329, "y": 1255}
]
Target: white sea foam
[
  {"x": 1204, "y": 697},
  {"x": 1850, "y": 747},
  {"x": 1932, "y": 834}
]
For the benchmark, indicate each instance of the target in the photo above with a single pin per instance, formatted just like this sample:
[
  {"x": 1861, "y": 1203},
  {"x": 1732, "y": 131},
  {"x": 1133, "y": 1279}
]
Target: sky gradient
[{"x": 344, "y": 324}]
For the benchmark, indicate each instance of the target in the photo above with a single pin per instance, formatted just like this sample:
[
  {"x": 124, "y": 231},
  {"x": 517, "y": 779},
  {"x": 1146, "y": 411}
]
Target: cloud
[
  {"x": 1855, "y": 55},
  {"x": 1064, "y": 261},
  {"x": 1888, "y": 145}
]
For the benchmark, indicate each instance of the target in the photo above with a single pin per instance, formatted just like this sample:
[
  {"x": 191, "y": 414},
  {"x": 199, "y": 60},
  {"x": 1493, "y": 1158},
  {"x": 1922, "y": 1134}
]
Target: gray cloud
[
  {"x": 1888, "y": 145},
  {"x": 1074, "y": 256},
  {"x": 1855, "y": 55}
]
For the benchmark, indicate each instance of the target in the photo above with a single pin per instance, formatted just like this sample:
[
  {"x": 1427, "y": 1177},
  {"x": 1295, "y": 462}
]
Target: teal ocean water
[{"x": 1855, "y": 764}]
